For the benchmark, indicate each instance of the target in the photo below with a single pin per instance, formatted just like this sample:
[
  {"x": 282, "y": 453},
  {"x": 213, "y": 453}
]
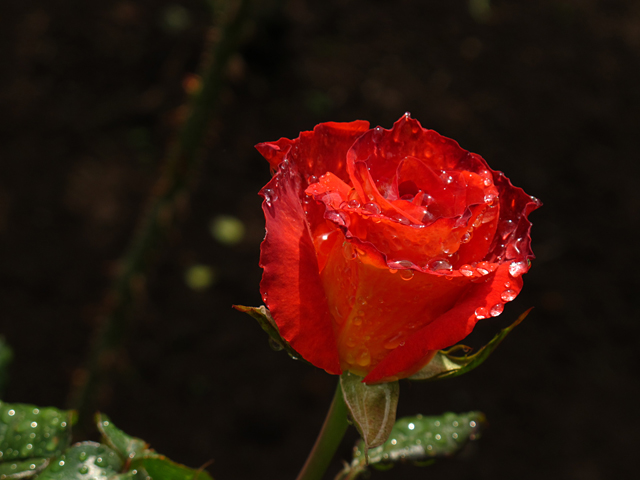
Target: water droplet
[
  {"x": 371, "y": 209},
  {"x": 394, "y": 441},
  {"x": 496, "y": 309},
  {"x": 36, "y": 411},
  {"x": 11, "y": 412},
  {"x": 336, "y": 217},
  {"x": 466, "y": 237},
  {"x": 437, "y": 264},
  {"x": 349, "y": 251},
  {"x": 482, "y": 271},
  {"x": 353, "y": 203},
  {"x": 454, "y": 435},
  {"x": 83, "y": 470},
  {"x": 508, "y": 295},
  {"x": 364, "y": 358},
  {"x": 517, "y": 268},
  {"x": 61, "y": 463},
  {"x": 438, "y": 436},
  {"x": 481, "y": 313},
  {"x": 32, "y": 466},
  {"x": 394, "y": 341},
  {"x": 269, "y": 196},
  {"x": 396, "y": 217},
  {"x": 34, "y": 424},
  {"x": 472, "y": 424},
  {"x": 411, "y": 426},
  {"x": 312, "y": 179},
  {"x": 490, "y": 197},
  {"x": 406, "y": 274},
  {"x": 466, "y": 270}
]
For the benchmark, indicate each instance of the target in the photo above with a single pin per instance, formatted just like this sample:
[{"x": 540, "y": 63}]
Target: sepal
[
  {"x": 372, "y": 408},
  {"x": 454, "y": 361},
  {"x": 268, "y": 324}
]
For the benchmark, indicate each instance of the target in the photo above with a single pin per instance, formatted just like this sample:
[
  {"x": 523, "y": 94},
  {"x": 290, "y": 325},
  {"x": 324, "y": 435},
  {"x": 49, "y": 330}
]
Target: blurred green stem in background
[{"x": 229, "y": 19}]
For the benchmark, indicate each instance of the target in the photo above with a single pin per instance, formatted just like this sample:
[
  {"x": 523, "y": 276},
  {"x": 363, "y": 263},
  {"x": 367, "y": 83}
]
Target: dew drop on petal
[
  {"x": 348, "y": 251},
  {"x": 508, "y": 295},
  {"x": 406, "y": 274},
  {"x": 336, "y": 217},
  {"x": 439, "y": 264},
  {"x": 353, "y": 203},
  {"x": 371, "y": 209},
  {"x": 364, "y": 358},
  {"x": 481, "y": 313},
  {"x": 496, "y": 309},
  {"x": 312, "y": 179},
  {"x": 466, "y": 270},
  {"x": 517, "y": 268}
]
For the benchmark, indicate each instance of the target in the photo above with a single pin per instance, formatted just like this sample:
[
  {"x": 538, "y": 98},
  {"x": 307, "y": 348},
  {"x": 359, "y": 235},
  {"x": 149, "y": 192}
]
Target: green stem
[{"x": 334, "y": 427}]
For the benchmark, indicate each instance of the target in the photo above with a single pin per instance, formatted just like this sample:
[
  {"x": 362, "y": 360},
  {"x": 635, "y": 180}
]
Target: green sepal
[
  {"x": 6, "y": 355},
  {"x": 454, "y": 361},
  {"x": 27, "y": 431},
  {"x": 420, "y": 440},
  {"x": 128, "y": 447},
  {"x": 158, "y": 467},
  {"x": 268, "y": 324},
  {"x": 83, "y": 461},
  {"x": 372, "y": 408}
]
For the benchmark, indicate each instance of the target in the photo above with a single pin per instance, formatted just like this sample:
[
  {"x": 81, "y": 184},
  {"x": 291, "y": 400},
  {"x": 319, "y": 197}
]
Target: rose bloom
[{"x": 384, "y": 246}]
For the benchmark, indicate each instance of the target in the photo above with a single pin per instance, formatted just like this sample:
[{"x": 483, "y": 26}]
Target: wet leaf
[
  {"x": 22, "y": 468},
  {"x": 371, "y": 407},
  {"x": 450, "y": 363},
  {"x": 27, "y": 431},
  {"x": 264, "y": 318},
  {"x": 83, "y": 461},
  {"x": 417, "y": 439},
  {"x": 128, "y": 447},
  {"x": 159, "y": 467}
]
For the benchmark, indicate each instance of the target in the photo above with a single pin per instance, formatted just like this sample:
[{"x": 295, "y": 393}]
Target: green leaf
[
  {"x": 417, "y": 439},
  {"x": 127, "y": 446},
  {"x": 264, "y": 318},
  {"x": 22, "y": 468},
  {"x": 371, "y": 407},
  {"x": 83, "y": 461},
  {"x": 449, "y": 363},
  {"x": 142, "y": 462},
  {"x": 159, "y": 467},
  {"x": 6, "y": 355},
  {"x": 27, "y": 431}
]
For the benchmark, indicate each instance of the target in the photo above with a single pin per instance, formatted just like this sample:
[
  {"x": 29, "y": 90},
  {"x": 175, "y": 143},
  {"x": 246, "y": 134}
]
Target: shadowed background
[{"x": 546, "y": 91}]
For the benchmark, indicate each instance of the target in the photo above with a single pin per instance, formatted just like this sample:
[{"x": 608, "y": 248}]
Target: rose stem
[{"x": 334, "y": 427}]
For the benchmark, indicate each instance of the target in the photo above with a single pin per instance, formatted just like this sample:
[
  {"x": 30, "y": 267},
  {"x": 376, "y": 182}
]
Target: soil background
[{"x": 545, "y": 90}]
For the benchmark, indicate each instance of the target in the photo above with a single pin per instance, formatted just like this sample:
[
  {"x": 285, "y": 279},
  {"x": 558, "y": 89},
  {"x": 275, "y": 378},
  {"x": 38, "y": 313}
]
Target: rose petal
[
  {"x": 449, "y": 328},
  {"x": 291, "y": 285},
  {"x": 375, "y": 310},
  {"x": 316, "y": 152}
]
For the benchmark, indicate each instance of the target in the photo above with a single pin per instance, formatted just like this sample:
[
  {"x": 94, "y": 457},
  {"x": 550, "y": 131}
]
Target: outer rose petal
[
  {"x": 375, "y": 310},
  {"x": 291, "y": 286},
  {"x": 475, "y": 304},
  {"x": 317, "y": 152}
]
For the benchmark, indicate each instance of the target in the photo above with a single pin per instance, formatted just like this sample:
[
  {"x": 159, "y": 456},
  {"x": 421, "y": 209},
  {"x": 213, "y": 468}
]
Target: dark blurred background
[{"x": 546, "y": 90}]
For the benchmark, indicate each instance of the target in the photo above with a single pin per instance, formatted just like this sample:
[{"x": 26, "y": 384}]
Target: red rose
[{"x": 383, "y": 246}]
